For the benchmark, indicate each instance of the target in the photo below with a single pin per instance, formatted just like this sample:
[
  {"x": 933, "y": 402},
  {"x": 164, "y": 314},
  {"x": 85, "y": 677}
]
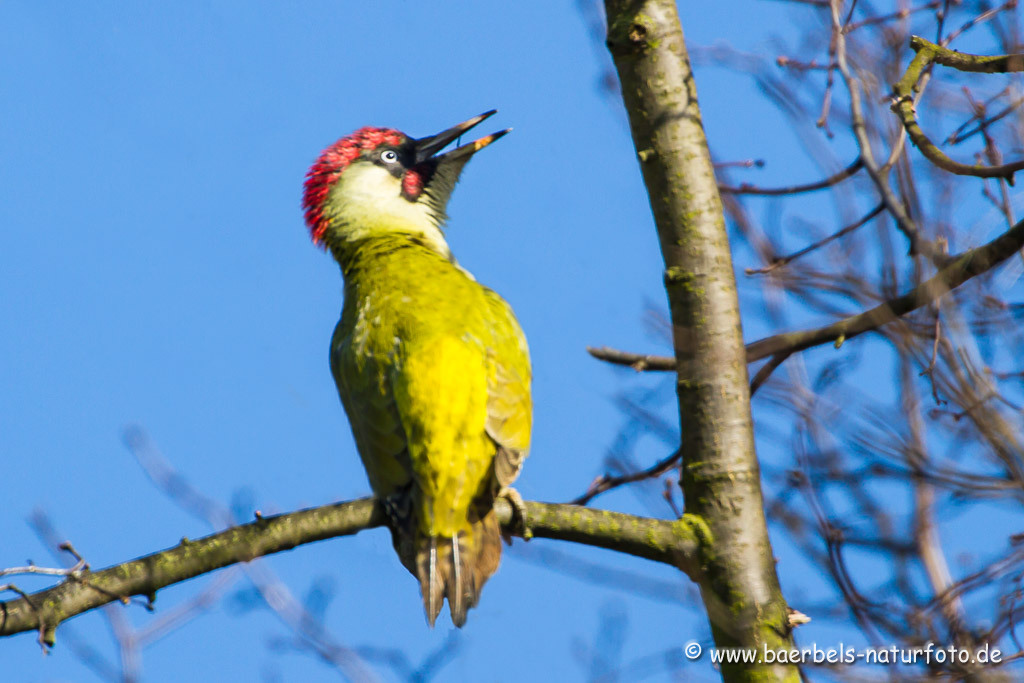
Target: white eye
[{"x": 388, "y": 156}]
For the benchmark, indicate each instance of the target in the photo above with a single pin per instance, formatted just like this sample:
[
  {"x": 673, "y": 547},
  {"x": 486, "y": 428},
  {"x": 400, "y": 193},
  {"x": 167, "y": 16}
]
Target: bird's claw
[{"x": 515, "y": 500}]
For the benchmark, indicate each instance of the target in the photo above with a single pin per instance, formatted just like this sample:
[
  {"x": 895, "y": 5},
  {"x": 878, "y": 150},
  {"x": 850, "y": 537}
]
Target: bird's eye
[{"x": 389, "y": 156}]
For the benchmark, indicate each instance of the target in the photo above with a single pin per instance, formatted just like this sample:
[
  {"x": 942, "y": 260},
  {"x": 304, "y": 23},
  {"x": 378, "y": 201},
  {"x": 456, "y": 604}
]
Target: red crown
[{"x": 328, "y": 168}]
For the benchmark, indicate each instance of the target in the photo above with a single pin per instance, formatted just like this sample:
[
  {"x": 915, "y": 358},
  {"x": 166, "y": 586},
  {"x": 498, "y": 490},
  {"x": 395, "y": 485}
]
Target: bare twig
[
  {"x": 607, "y": 482},
  {"x": 825, "y": 183},
  {"x": 784, "y": 260}
]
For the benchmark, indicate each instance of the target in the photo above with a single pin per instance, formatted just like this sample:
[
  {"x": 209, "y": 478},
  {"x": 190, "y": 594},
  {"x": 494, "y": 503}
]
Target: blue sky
[{"x": 155, "y": 271}]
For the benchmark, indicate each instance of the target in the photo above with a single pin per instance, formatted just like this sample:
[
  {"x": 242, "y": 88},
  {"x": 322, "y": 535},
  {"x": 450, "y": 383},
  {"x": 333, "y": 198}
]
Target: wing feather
[{"x": 509, "y": 403}]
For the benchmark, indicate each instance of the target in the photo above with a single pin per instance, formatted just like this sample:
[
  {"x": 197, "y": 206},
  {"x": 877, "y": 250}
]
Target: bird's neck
[{"x": 389, "y": 253}]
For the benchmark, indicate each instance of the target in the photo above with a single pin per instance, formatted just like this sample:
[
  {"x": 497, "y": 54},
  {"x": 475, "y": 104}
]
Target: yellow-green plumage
[
  {"x": 431, "y": 366},
  {"x": 434, "y": 373}
]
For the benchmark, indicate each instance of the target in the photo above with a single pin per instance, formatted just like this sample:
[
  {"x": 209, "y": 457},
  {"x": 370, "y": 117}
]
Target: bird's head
[{"x": 379, "y": 180}]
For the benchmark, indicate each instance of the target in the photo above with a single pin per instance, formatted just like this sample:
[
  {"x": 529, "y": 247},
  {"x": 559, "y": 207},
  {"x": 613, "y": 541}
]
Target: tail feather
[
  {"x": 426, "y": 568},
  {"x": 456, "y": 568},
  {"x": 455, "y": 601}
]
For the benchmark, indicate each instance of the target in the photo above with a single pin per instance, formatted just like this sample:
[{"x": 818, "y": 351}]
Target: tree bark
[{"x": 720, "y": 477}]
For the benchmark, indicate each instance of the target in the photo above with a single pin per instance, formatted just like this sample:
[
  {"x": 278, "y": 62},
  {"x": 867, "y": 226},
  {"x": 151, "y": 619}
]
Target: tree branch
[
  {"x": 638, "y": 361},
  {"x": 903, "y": 102},
  {"x": 669, "y": 542},
  {"x": 780, "y": 261},
  {"x": 960, "y": 269},
  {"x": 607, "y": 482},
  {"x": 879, "y": 174},
  {"x": 834, "y": 179}
]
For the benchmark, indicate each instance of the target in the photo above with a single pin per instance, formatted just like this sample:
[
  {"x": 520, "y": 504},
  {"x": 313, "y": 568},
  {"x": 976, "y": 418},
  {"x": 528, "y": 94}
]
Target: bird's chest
[{"x": 393, "y": 311}]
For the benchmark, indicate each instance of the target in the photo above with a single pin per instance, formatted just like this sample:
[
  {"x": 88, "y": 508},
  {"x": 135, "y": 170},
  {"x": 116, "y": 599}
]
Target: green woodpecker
[{"x": 431, "y": 366}]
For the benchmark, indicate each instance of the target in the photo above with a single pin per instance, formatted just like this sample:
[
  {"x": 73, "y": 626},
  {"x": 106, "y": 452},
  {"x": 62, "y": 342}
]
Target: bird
[{"x": 432, "y": 367}]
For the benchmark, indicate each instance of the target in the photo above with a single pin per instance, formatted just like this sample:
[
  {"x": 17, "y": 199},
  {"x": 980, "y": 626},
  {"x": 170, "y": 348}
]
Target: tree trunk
[{"x": 720, "y": 477}]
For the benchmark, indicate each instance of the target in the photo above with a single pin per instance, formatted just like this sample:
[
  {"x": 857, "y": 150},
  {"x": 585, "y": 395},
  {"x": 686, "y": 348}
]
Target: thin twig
[
  {"x": 607, "y": 482},
  {"x": 766, "y": 370},
  {"x": 746, "y": 188},
  {"x": 883, "y": 18},
  {"x": 878, "y": 175},
  {"x": 784, "y": 260},
  {"x": 984, "y": 16}
]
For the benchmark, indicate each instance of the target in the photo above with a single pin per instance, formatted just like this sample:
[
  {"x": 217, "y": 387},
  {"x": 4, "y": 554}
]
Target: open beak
[{"x": 428, "y": 146}]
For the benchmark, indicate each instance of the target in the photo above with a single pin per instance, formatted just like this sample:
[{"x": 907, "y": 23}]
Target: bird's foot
[{"x": 515, "y": 500}]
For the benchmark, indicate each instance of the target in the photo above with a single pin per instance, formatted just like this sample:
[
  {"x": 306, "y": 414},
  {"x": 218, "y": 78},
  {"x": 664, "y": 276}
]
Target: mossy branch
[
  {"x": 929, "y": 53},
  {"x": 669, "y": 542}
]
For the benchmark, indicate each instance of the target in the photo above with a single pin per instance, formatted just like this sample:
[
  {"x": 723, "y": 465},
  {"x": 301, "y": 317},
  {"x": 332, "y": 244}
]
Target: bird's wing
[
  {"x": 509, "y": 404},
  {"x": 373, "y": 415}
]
